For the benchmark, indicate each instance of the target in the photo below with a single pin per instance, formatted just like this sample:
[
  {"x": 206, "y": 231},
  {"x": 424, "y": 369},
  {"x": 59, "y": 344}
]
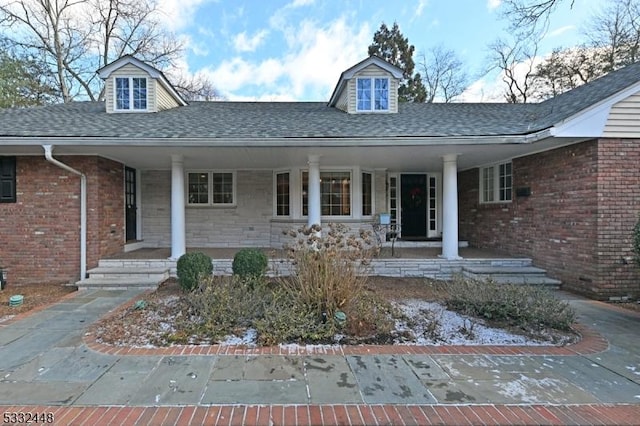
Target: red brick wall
[
  {"x": 41, "y": 232},
  {"x": 557, "y": 225},
  {"x": 618, "y": 210}
]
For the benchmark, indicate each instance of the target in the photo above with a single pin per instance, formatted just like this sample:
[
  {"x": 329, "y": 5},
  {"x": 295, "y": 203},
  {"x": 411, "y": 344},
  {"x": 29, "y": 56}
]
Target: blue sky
[{"x": 274, "y": 50}]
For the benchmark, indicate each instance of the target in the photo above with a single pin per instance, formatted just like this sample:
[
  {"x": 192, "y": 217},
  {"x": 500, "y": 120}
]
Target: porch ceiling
[{"x": 393, "y": 156}]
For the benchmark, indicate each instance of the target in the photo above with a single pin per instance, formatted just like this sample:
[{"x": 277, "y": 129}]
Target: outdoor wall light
[{"x": 3, "y": 278}]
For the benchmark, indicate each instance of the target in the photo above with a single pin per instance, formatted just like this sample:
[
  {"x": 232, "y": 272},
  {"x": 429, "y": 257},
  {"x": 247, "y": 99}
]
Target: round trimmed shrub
[
  {"x": 250, "y": 262},
  {"x": 192, "y": 268}
]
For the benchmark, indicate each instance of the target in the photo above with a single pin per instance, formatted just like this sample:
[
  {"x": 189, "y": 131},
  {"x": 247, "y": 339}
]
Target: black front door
[
  {"x": 413, "y": 196},
  {"x": 131, "y": 224}
]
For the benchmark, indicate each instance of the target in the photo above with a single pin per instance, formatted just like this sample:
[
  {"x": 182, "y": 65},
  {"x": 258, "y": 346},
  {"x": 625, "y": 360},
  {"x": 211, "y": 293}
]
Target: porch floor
[{"x": 385, "y": 253}]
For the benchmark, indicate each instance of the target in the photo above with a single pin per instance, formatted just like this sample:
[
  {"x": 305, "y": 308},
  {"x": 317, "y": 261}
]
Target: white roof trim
[
  {"x": 107, "y": 70},
  {"x": 591, "y": 121},
  {"x": 349, "y": 73}
]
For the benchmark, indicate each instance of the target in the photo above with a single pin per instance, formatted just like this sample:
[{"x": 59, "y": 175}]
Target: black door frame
[
  {"x": 131, "y": 204},
  {"x": 419, "y": 228}
]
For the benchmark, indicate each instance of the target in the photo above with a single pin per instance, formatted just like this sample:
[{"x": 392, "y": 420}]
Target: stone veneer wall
[
  {"x": 576, "y": 223},
  {"x": 41, "y": 231},
  {"x": 249, "y": 224}
]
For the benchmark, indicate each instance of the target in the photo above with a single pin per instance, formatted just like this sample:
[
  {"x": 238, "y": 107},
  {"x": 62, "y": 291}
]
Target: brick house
[{"x": 557, "y": 181}]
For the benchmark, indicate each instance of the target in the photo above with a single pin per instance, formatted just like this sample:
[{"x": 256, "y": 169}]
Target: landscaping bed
[
  {"x": 418, "y": 316},
  {"x": 34, "y": 296}
]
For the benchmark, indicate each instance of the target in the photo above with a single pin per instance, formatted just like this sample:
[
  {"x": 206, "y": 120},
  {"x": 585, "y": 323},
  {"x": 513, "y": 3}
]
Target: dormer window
[
  {"x": 372, "y": 94},
  {"x": 131, "y": 94}
]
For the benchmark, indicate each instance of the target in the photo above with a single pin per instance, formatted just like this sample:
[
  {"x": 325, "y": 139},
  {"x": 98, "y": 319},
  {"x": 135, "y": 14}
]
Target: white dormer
[
  {"x": 134, "y": 86},
  {"x": 370, "y": 86}
]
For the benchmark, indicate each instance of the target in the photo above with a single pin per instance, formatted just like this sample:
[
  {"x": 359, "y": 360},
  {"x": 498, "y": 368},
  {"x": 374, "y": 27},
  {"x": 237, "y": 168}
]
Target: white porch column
[
  {"x": 178, "y": 238},
  {"x": 450, "y": 207},
  {"x": 314, "y": 190}
]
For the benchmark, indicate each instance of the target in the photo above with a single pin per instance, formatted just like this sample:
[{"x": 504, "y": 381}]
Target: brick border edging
[
  {"x": 590, "y": 342},
  {"x": 343, "y": 414}
]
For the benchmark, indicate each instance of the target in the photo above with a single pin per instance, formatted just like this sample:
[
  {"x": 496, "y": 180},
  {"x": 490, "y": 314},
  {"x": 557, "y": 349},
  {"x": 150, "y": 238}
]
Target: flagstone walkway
[{"x": 50, "y": 367}]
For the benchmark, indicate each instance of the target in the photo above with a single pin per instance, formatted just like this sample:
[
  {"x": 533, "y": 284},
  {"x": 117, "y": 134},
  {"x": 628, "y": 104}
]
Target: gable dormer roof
[
  {"x": 348, "y": 74},
  {"x": 106, "y": 71}
]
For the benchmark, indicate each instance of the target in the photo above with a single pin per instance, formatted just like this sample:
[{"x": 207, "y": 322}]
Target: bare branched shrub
[
  {"x": 330, "y": 266},
  {"x": 531, "y": 308}
]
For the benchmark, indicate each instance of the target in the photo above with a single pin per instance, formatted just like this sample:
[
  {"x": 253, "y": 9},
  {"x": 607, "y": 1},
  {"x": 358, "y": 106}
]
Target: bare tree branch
[
  {"x": 516, "y": 63},
  {"x": 443, "y": 74},
  {"x": 77, "y": 37}
]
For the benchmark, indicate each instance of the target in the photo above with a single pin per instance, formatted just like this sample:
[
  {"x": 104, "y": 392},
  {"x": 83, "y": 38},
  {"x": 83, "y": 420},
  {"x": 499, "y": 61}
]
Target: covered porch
[{"x": 147, "y": 267}]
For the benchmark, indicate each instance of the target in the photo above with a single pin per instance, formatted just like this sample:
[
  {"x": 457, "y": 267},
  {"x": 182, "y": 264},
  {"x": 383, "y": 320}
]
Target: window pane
[
  {"x": 381, "y": 95},
  {"x": 366, "y": 194},
  {"x": 363, "y": 94},
  {"x": 198, "y": 187},
  {"x": 222, "y": 188},
  {"x": 335, "y": 193},
  {"x": 487, "y": 184},
  {"x": 282, "y": 194},
  {"x": 122, "y": 93},
  {"x": 139, "y": 93},
  {"x": 305, "y": 193},
  {"x": 505, "y": 181}
]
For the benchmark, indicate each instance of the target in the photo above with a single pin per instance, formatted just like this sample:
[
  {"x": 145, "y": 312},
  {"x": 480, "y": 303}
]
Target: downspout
[{"x": 48, "y": 153}]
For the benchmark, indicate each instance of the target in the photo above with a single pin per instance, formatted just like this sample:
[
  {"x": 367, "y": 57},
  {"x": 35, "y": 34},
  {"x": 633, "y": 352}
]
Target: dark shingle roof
[
  {"x": 310, "y": 119},
  {"x": 266, "y": 120}
]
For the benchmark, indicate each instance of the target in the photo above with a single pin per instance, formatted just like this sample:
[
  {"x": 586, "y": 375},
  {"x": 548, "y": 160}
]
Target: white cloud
[
  {"x": 177, "y": 14},
  {"x": 300, "y": 3},
  {"x": 493, "y": 4},
  {"x": 314, "y": 57},
  {"x": 484, "y": 90},
  {"x": 420, "y": 8},
  {"x": 243, "y": 43},
  {"x": 492, "y": 87},
  {"x": 560, "y": 31}
]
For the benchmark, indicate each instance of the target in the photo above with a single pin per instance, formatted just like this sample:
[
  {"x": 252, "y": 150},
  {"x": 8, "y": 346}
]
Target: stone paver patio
[{"x": 49, "y": 365}]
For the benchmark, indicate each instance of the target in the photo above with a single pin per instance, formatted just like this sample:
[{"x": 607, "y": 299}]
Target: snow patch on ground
[
  {"x": 430, "y": 323},
  {"x": 249, "y": 338},
  {"x": 427, "y": 324}
]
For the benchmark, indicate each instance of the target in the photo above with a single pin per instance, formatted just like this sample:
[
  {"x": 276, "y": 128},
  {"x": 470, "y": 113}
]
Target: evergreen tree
[
  {"x": 393, "y": 47},
  {"x": 23, "y": 81}
]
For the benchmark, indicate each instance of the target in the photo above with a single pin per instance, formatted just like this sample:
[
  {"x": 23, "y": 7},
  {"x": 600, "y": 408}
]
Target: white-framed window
[
  {"x": 211, "y": 188},
  {"x": 372, "y": 94},
  {"x": 130, "y": 94},
  {"x": 283, "y": 193},
  {"x": 335, "y": 193},
  {"x": 496, "y": 183},
  {"x": 366, "y": 182}
]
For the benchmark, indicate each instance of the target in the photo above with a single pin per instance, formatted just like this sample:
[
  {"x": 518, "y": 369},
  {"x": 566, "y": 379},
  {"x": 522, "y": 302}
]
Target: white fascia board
[
  {"x": 591, "y": 121},
  {"x": 278, "y": 142},
  {"x": 587, "y": 124},
  {"x": 106, "y": 71},
  {"x": 392, "y": 69}
]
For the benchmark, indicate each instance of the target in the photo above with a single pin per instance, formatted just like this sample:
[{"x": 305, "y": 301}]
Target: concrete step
[
  {"x": 159, "y": 273},
  {"x": 118, "y": 283},
  {"x": 504, "y": 270},
  {"x": 526, "y": 275}
]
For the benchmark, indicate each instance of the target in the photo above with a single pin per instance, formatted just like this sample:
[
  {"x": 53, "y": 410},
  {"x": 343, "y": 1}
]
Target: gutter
[
  {"x": 48, "y": 153},
  {"x": 292, "y": 142}
]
